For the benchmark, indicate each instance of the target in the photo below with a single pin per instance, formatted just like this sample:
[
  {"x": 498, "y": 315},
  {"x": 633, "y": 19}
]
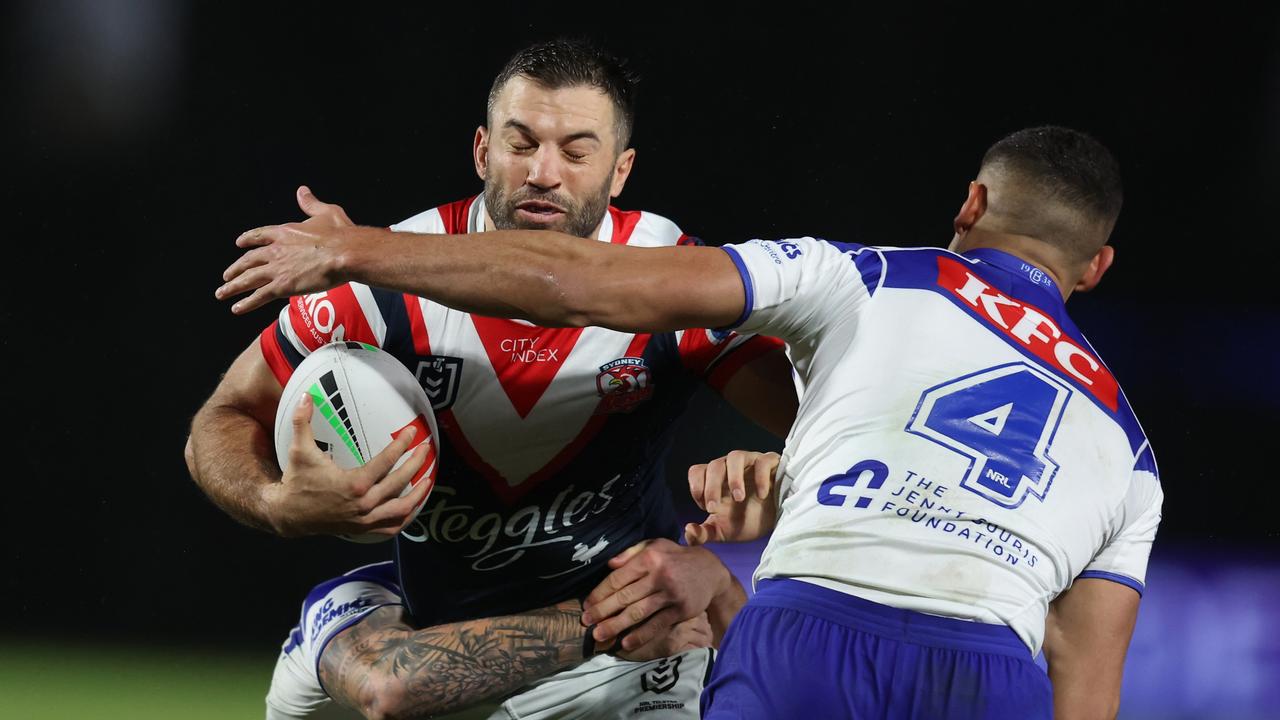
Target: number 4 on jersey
[{"x": 1004, "y": 420}]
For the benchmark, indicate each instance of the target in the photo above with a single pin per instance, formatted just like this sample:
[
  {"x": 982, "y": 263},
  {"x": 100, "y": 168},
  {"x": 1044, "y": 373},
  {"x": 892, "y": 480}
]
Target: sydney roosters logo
[
  {"x": 1030, "y": 328},
  {"x": 623, "y": 384}
]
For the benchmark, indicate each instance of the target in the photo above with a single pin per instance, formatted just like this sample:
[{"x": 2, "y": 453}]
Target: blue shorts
[{"x": 798, "y": 650}]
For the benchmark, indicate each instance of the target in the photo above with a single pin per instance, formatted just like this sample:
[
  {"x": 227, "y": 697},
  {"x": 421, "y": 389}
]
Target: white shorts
[{"x": 602, "y": 688}]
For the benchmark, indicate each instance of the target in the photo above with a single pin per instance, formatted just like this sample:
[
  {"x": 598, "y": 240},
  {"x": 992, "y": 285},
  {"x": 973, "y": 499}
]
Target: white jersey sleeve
[
  {"x": 791, "y": 284},
  {"x": 1124, "y": 557}
]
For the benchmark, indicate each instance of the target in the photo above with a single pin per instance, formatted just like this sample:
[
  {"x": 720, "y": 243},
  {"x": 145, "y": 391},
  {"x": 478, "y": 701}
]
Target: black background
[{"x": 144, "y": 136}]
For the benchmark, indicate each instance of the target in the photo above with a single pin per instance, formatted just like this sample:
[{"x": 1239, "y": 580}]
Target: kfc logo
[{"x": 1029, "y": 328}]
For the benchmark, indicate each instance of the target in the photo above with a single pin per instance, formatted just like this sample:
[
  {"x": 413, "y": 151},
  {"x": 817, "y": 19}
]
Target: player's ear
[
  {"x": 621, "y": 171},
  {"x": 1098, "y": 266},
  {"x": 480, "y": 151},
  {"x": 974, "y": 207}
]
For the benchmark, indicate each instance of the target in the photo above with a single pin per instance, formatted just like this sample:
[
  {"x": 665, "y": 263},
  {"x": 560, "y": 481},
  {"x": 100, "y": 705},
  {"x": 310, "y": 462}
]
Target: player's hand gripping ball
[{"x": 362, "y": 399}]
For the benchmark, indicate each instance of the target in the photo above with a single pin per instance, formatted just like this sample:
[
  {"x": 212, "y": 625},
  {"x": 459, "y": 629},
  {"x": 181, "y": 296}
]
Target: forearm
[
  {"x": 231, "y": 459},
  {"x": 1078, "y": 694},
  {"x": 474, "y": 273},
  {"x": 552, "y": 279},
  {"x": 387, "y": 670}
]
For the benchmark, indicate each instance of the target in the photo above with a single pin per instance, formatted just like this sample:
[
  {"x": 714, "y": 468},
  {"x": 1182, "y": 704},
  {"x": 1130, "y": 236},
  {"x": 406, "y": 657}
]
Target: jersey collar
[{"x": 1017, "y": 266}]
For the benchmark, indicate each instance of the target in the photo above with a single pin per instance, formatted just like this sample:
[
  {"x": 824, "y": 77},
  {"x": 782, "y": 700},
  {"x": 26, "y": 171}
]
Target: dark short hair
[
  {"x": 565, "y": 63},
  {"x": 1066, "y": 166}
]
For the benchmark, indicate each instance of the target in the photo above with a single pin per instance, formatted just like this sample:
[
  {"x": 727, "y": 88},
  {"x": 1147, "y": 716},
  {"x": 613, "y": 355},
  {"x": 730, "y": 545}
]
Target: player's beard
[{"x": 580, "y": 219}]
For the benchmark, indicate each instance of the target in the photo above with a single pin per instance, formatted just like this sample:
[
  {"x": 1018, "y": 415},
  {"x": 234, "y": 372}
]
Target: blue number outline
[{"x": 916, "y": 426}]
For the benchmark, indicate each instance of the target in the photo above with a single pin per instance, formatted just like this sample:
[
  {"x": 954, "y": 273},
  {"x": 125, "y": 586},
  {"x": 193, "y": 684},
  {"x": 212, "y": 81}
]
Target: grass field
[{"x": 60, "y": 682}]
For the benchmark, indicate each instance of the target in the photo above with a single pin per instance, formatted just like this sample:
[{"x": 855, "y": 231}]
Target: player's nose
[{"x": 545, "y": 168}]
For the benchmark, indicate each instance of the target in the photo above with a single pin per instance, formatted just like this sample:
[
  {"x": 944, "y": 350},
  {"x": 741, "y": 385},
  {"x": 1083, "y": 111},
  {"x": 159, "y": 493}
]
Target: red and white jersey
[
  {"x": 960, "y": 448},
  {"x": 554, "y": 439}
]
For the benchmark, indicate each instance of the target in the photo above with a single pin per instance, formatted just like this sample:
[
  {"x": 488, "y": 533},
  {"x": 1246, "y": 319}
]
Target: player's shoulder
[
  {"x": 448, "y": 218},
  {"x": 641, "y": 228}
]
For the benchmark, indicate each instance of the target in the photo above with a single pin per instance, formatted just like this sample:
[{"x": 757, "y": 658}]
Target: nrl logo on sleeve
[
  {"x": 439, "y": 376},
  {"x": 623, "y": 384}
]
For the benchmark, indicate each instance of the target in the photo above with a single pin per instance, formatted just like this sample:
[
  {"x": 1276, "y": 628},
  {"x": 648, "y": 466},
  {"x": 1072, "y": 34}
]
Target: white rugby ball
[{"x": 362, "y": 398}]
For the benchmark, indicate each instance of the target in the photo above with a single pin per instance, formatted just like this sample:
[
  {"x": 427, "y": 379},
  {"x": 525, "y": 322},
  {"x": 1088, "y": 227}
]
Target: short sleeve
[
  {"x": 1124, "y": 558},
  {"x": 794, "y": 287},
  {"x": 308, "y": 322}
]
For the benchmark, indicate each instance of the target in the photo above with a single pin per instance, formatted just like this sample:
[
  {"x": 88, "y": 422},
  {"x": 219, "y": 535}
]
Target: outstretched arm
[{"x": 549, "y": 278}]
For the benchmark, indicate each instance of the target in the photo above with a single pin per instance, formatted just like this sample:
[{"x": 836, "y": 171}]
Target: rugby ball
[{"x": 362, "y": 398}]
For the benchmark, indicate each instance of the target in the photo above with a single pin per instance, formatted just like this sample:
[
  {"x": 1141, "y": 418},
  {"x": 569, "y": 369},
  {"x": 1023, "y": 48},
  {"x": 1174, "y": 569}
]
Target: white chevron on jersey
[{"x": 488, "y": 418}]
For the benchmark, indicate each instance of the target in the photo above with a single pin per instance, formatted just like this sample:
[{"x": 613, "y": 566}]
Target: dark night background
[{"x": 144, "y": 136}]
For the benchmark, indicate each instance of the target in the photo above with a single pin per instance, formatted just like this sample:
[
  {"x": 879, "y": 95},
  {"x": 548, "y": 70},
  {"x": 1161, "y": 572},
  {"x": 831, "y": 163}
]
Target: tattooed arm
[{"x": 386, "y": 669}]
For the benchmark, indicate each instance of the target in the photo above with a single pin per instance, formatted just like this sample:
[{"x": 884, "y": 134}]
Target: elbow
[
  {"x": 384, "y": 698},
  {"x": 189, "y": 454}
]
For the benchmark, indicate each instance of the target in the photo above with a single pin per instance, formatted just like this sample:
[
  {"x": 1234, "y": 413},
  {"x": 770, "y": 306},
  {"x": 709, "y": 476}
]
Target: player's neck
[{"x": 1024, "y": 247}]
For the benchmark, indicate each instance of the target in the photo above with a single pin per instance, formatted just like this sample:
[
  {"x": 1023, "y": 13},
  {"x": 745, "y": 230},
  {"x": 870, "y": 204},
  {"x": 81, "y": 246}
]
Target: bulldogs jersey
[
  {"x": 554, "y": 439},
  {"x": 960, "y": 448}
]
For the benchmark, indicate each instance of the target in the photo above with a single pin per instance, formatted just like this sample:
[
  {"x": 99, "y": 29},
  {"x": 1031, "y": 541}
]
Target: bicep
[{"x": 249, "y": 387}]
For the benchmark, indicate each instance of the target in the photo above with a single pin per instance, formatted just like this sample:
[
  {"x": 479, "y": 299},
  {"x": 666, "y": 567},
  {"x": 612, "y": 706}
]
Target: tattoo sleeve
[{"x": 383, "y": 667}]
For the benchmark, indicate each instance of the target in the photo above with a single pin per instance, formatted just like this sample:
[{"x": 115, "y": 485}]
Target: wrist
[
  {"x": 345, "y": 263},
  {"x": 358, "y": 255},
  {"x": 724, "y": 607},
  {"x": 724, "y": 580},
  {"x": 269, "y": 509}
]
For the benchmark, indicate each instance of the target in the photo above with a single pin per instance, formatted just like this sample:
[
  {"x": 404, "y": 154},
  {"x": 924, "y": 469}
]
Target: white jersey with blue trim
[{"x": 960, "y": 448}]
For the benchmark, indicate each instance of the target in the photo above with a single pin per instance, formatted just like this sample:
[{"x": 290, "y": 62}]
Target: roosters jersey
[
  {"x": 960, "y": 448},
  {"x": 553, "y": 439}
]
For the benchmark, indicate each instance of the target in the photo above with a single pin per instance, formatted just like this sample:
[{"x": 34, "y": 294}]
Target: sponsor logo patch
[{"x": 623, "y": 384}]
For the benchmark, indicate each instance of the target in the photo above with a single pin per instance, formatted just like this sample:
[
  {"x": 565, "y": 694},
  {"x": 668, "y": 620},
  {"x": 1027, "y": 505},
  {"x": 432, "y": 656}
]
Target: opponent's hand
[
  {"x": 655, "y": 585},
  {"x": 315, "y": 496},
  {"x": 739, "y": 493},
  {"x": 686, "y": 635},
  {"x": 290, "y": 259}
]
